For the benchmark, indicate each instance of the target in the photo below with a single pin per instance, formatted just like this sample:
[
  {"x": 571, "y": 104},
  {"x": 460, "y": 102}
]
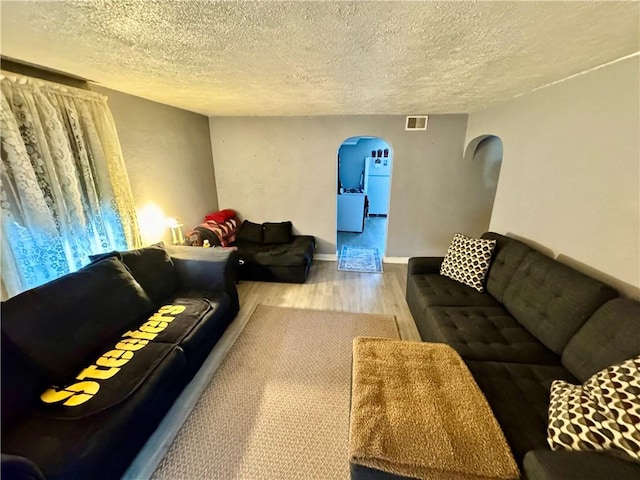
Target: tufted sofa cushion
[
  {"x": 428, "y": 290},
  {"x": 484, "y": 333},
  {"x": 507, "y": 257},
  {"x": 518, "y": 394},
  {"x": 553, "y": 300}
]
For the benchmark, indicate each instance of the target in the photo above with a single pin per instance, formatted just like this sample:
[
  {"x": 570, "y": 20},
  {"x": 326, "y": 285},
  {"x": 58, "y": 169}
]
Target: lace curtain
[{"x": 65, "y": 193}]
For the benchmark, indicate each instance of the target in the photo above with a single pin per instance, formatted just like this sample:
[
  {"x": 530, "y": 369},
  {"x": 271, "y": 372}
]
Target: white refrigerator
[{"x": 377, "y": 180}]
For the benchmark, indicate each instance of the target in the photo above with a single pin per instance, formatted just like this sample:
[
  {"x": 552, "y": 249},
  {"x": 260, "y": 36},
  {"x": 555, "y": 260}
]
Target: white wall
[
  {"x": 284, "y": 168},
  {"x": 167, "y": 152},
  {"x": 570, "y": 177}
]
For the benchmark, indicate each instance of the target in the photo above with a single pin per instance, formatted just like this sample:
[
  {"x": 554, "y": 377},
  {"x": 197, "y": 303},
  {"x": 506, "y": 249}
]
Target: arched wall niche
[{"x": 486, "y": 151}]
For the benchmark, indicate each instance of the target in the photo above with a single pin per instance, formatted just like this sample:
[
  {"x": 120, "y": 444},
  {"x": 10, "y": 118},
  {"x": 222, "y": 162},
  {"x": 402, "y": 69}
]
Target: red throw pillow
[{"x": 220, "y": 216}]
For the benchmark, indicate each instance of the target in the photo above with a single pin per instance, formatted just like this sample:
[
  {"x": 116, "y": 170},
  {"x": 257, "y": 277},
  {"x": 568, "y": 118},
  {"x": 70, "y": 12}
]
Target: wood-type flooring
[
  {"x": 326, "y": 288},
  {"x": 374, "y": 235}
]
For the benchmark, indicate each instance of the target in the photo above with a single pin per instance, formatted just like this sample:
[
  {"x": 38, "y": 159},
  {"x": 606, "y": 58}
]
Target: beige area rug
[{"x": 278, "y": 406}]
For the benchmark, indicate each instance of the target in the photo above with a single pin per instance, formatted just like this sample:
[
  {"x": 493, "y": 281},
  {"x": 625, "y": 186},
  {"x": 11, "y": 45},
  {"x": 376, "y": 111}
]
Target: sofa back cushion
[
  {"x": 67, "y": 322},
  {"x": 507, "y": 257},
  {"x": 277, "y": 232},
  {"x": 154, "y": 270},
  {"x": 552, "y": 300},
  {"x": 610, "y": 335},
  {"x": 151, "y": 266},
  {"x": 250, "y": 232},
  {"x": 207, "y": 270}
]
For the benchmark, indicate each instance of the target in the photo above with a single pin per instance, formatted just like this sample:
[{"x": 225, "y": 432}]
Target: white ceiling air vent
[{"x": 416, "y": 122}]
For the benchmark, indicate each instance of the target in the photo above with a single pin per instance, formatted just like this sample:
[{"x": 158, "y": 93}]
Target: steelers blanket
[{"x": 120, "y": 370}]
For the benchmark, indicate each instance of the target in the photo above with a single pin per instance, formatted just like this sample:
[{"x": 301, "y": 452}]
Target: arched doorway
[{"x": 365, "y": 165}]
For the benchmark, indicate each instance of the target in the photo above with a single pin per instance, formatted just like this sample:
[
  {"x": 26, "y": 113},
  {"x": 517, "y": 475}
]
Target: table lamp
[{"x": 177, "y": 237}]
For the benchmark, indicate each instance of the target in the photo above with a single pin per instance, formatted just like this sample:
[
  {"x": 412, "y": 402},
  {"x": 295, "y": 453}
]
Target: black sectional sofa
[
  {"x": 269, "y": 252},
  {"x": 288, "y": 262},
  {"x": 92, "y": 361},
  {"x": 538, "y": 320}
]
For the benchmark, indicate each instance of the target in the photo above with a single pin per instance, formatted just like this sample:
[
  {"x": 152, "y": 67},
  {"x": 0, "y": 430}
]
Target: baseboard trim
[
  {"x": 395, "y": 260},
  {"x": 327, "y": 257}
]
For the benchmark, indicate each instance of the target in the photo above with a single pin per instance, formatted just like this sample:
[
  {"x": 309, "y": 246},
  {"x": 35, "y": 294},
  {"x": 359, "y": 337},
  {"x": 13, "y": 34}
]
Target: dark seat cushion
[
  {"x": 426, "y": 290},
  {"x": 174, "y": 320},
  {"x": 610, "y": 336},
  {"x": 552, "y": 300},
  {"x": 198, "y": 329},
  {"x": 518, "y": 395},
  {"x": 359, "y": 472},
  {"x": 568, "y": 465},
  {"x": 102, "y": 445},
  {"x": 484, "y": 333},
  {"x": 65, "y": 323},
  {"x": 268, "y": 273},
  {"x": 107, "y": 382},
  {"x": 297, "y": 253}
]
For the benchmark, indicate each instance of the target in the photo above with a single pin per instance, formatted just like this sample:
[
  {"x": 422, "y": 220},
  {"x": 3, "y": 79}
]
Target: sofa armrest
[
  {"x": 418, "y": 265},
  {"x": 566, "y": 465},
  {"x": 212, "y": 269},
  {"x": 307, "y": 237}
]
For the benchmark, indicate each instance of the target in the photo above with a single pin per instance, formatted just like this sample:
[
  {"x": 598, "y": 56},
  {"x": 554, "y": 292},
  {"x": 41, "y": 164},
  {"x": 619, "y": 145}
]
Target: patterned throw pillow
[
  {"x": 467, "y": 260},
  {"x": 602, "y": 414}
]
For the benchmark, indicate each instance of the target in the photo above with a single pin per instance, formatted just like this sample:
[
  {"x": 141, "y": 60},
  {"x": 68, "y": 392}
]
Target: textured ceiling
[{"x": 316, "y": 58}]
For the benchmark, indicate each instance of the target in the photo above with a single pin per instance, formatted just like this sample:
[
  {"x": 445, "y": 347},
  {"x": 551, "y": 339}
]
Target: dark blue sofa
[{"x": 92, "y": 361}]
